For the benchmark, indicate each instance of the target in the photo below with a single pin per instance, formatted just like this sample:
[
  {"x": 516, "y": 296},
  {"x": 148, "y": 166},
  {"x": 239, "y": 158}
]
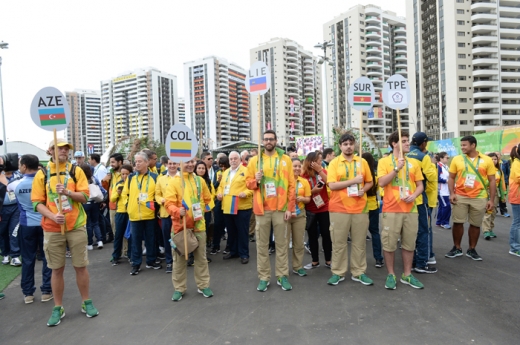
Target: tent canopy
[{"x": 238, "y": 146}]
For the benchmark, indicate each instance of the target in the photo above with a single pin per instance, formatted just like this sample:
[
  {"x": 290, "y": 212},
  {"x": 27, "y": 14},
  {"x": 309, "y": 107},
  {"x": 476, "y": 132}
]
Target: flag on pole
[
  {"x": 312, "y": 119},
  {"x": 180, "y": 149},
  {"x": 362, "y": 98},
  {"x": 52, "y": 116},
  {"x": 291, "y": 106}
]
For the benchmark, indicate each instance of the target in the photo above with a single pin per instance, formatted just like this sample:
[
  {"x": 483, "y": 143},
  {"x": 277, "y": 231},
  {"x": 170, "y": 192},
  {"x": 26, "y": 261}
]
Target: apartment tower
[{"x": 84, "y": 129}]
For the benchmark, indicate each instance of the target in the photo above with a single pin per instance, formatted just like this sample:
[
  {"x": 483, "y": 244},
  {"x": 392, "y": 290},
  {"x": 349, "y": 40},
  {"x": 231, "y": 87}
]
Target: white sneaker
[
  {"x": 432, "y": 261},
  {"x": 161, "y": 250},
  {"x": 100, "y": 244},
  {"x": 16, "y": 262},
  {"x": 6, "y": 260},
  {"x": 290, "y": 244},
  {"x": 144, "y": 251},
  {"x": 90, "y": 247}
]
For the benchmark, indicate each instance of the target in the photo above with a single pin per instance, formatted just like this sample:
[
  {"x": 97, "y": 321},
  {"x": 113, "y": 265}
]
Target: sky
[{"x": 74, "y": 45}]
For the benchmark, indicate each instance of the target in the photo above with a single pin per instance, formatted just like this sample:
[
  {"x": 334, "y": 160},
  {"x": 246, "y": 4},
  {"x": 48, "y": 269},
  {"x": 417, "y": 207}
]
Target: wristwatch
[
  {"x": 396, "y": 169},
  {"x": 68, "y": 192}
]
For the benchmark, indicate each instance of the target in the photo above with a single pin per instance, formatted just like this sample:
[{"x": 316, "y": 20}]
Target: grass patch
[{"x": 7, "y": 274}]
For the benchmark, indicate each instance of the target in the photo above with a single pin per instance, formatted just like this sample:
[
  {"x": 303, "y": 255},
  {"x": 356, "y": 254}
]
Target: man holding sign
[
  {"x": 270, "y": 176},
  {"x": 401, "y": 178},
  {"x": 71, "y": 187}
]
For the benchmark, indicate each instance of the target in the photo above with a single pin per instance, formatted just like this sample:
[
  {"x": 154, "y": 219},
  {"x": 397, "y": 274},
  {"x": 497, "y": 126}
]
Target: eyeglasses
[{"x": 269, "y": 139}]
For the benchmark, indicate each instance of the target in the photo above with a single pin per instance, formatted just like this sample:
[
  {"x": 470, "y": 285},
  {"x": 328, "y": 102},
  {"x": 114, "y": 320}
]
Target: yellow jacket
[
  {"x": 160, "y": 191},
  {"x": 118, "y": 200},
  {"x": 236, "y": 186},
  {"x": 432, "y": 188},
  {"x": 140, "y": 184}
]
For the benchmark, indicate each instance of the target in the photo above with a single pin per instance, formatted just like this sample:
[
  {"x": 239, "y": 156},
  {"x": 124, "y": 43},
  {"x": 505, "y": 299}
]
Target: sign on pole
[
  {"x": 361, "y": 95},
  {"x": 181, "y": 144},
  {"x": 258, "y": 79},
  {"x": 396, "y": 93},
  {"x": 50, "y": 110}
]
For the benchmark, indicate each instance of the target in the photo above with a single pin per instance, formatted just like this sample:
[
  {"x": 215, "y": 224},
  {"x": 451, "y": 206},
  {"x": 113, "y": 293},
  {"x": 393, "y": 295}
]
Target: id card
[
  {"x": 404, "y": 192},
  {"x": 143, "y": 197},
  {"x": 197, "y": 211},
  {"x": 11, "y": 196},
  {"x": 470, "y": 181},
  {"x": 353, "y": 190},
  {"x": 65, "y": 204},
  {"x": 270, "y": 190},
  {"x": 318, "y": 201},
  {"x": 226, "y": 190}
]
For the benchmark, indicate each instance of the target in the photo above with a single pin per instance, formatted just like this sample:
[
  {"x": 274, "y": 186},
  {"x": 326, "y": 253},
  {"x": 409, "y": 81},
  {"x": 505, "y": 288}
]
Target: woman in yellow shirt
[
  {"x": 202, "y": 171},
  {"x": 488, "y": 223},
  {"x": 121, "y": 218}
]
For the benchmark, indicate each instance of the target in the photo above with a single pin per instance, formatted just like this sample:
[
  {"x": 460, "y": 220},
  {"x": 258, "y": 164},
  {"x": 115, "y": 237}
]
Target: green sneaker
[
  {"x": 2, "y": 296},
  {"x": 335, "y": 279},
  {"x": 363, "y": 279},
  {"x": 262, "y": 286},
  {"x": 301, "y": 272},
  {"x": 390, "y": 282},
  {"x": 206, "y": 292},
  {"x": 412, "y": 281},
  {"x": 177, "y": 296},
  {"x": 487, "y": 235},
  {"x": 492, "y": 234},
  {"x": 58, "y": 313},
  {"x": 88, "y": 308},
  {"x": 284, "y": 283}
]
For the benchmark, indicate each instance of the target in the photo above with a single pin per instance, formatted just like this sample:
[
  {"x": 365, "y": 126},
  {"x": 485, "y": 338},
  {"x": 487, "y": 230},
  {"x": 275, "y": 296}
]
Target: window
[
  {"x": 362, "y": 45},
  {"x": 461, "y": 33},
  {"x": 462, "y": 56},
  {"x": 461, "y": 45},
  {"x": 463, "y": 122},
  {"x": 463, "y": 111},
  {"x": 460, "y": 1},
  {"x": 362, "y": 30},
  {"x": 460, "y": 22},
  {"x": 462, "y": 66},
  {"x": 463, "y": 100},
  {"x": 460, "y": 11},
  {"x": 462, "y": 89},
  {"x": 462, "y": 77}
]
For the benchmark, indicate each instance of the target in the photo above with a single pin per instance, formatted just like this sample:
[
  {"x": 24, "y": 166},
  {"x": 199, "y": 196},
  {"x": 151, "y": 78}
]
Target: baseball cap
[
  {"x": 61, "y": 142},
  {"x": 419, "y": 138},
  {"x": 79, "y": 154}
]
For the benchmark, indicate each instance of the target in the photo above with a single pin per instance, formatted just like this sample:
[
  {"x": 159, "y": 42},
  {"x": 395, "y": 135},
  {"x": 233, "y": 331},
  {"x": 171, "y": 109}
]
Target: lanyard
[
  {"x": 312, "y": 182},
  {"x": 275, "y": 164},
  {"x": 406, "y": 169},
  {"x": 347, "y": 170},
  {"x": 197, "y": 183},
  {"x": 58, "y": 176},
  {"x": 466, "y": 161},
  {"x": 297, "y": 184},
  {"x": 236, "y": 172},
  {"x": 140, "y": 185}
]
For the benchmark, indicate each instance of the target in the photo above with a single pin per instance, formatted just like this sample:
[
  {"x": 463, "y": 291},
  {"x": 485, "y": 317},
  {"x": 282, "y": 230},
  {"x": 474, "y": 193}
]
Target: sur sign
[
  {"x": 396, "y": 92},
  {"x": 361, "y": 95},
  {"x": 181, "y": 144},
  {"x": 258, "y": 78},
  {"x": 50, "y": 110}
]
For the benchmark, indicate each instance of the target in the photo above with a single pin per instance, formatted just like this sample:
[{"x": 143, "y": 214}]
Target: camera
[{"x": 10, "y": 161}]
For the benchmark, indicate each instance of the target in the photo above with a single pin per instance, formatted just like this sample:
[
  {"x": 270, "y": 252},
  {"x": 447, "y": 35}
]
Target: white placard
[
  {"x": 396, "y": 92},
  {"x": 181, "y": 144},
  {"x": 361, "y": 95},
  {"x": 258, "y": 79},
  {"x": 50, "y": 110}
]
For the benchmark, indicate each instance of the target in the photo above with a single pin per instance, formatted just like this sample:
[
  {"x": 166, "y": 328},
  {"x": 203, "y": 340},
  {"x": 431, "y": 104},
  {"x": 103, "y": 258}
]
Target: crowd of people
[{"x": 271, "y": 197}]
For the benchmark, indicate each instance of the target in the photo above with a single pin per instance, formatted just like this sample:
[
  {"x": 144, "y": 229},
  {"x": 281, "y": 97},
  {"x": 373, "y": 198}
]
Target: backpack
[{"x": 72, "y": 174}]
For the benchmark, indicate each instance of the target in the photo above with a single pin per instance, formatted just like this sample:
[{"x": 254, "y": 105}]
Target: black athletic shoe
[
  {"x": 454, "y": 252},
  {"x": 426, "y": 269},
  {"x": 472, "y": 253},
  {"x": 155, "y": 266},
  {"x": 379, "y": 263},
  {"x": 135, "y": 271}
]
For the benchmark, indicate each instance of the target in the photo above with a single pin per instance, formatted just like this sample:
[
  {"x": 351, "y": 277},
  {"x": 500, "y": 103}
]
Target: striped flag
[
  {"x": 180, "y": 149},
  {"x": 52, "y": 116},
  {"x": 233, "y": 206},
  {"x": 362, "y": 98}
]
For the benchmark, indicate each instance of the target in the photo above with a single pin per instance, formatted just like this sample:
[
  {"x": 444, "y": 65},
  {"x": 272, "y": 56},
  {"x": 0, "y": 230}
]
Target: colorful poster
[
  {"x": 308, "y": 144},
  {"x": 510, "y": 138}
]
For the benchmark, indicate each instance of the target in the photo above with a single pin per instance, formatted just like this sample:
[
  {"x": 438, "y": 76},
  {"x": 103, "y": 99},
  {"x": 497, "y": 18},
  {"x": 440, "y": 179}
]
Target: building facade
[
  {"x": 84, "y": 129},
  {"x": 216, "y": 101},
  {"x": 466, "y": 65},
  {"x": 182, "y": 111},
  {"x": 293, "y": 105},
  {"x": 366, "y": 42},
  {"x": 140, "y": 103}
]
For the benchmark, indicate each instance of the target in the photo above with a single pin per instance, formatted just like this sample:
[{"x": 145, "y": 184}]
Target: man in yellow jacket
[
  {"x": 139, "y": 190},
  {"x": 237, "y": 202},
  {"x": 189, "y": 197}
]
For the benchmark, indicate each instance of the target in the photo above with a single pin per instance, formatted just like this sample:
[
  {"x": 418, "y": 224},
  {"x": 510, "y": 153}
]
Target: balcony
[
  {"x": 483, "y": 105},
  {"x": 481, "y": 39}
]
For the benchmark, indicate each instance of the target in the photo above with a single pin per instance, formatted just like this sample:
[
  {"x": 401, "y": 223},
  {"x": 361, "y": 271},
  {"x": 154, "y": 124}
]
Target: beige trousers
[
  {"x": 252, "y": 224},
  {"x": 341, "y": 225},
  {"x": 296, "y": 230},
  {"x": 281, "y": 239},
  {"x": 201, "y": 270},
  {"x": 488, "y": 222}
]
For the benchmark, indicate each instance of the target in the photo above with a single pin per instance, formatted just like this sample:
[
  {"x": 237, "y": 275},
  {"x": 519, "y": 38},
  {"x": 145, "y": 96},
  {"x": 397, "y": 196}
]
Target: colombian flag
[
  {"x": 180, "y": 149},
  {"x": 52, "y": 116},
  {"x": 233, "y": 205}
]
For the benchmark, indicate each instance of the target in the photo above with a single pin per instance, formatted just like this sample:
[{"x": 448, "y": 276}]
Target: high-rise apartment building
[
  {"x": 292, "y": 106},
  {"x": 140, "y": 103},
  {"x": 84, "y": 129},
  {"x": 466, "y": 65},
  {"x": 182, "y": 111},
  {"x": 367, "y": 42},
  {"x": 216, "y": 101}
]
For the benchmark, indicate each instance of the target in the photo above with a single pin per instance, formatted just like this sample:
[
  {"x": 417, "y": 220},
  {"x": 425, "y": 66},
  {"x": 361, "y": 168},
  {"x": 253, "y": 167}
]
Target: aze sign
[
  {"x": 50, "y": 110},
  {"x": 361, "y": 94},
  {"x": 181, "y": 144},
  {"x": 258, "y": 79},
  {"x": 396, "y": 93}
]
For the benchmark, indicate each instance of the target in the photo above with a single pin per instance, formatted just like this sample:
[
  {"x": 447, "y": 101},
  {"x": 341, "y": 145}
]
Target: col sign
[
  {"x": 50, "y": 110},
  {"x": 396, "y": 93},
  {"x": 258, "y": 79},
  {"x": 361, "y": 94},
  {"x": 181, "y": 144}
]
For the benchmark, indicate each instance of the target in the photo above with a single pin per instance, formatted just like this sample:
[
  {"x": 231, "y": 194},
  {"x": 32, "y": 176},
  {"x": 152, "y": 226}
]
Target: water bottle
[{"x": 172, "y": 244}]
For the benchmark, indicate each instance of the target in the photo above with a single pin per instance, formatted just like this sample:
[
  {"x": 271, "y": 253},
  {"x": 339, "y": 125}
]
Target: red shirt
[{"x": 311, "y": 206}]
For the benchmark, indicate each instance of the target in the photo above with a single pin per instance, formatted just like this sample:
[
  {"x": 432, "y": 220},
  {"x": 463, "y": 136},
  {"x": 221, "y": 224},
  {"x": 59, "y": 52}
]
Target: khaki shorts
[
  {"x": 399, "y": 225},
  {"x": 469, "y": 209},
  {"x": 55, "y": 246}
]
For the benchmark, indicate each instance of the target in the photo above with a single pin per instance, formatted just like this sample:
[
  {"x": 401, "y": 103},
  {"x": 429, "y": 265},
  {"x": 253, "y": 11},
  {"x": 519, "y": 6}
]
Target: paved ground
[{"x": 466, "y": 302}]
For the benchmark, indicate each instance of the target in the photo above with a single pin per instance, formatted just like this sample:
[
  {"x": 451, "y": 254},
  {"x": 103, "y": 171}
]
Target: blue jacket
[{"x": 28, "y": 217}]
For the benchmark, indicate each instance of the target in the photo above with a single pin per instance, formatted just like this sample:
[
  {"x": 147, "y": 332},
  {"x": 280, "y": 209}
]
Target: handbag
[
  {"x": 95, "y": 193},
  {"x": 178, "y": 240}
]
